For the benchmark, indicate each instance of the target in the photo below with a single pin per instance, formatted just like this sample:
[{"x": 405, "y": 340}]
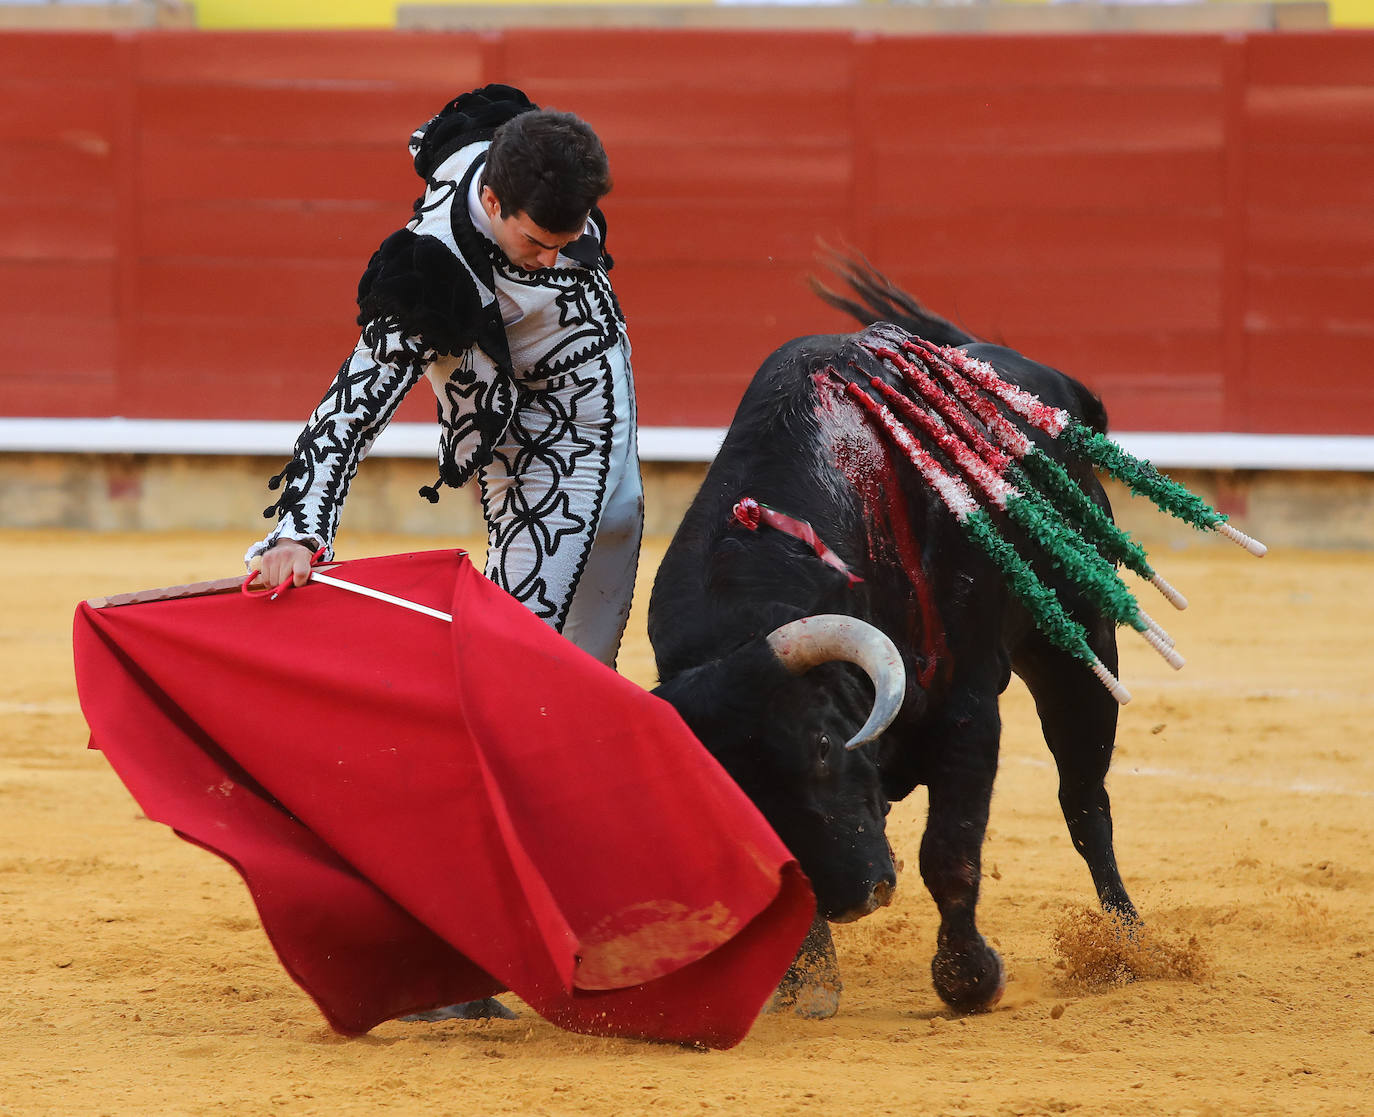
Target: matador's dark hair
[{"x": 551, "y": 166}]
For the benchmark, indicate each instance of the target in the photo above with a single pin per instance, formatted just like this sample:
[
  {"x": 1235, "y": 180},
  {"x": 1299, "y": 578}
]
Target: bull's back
[{"x": 715, "y": 581}]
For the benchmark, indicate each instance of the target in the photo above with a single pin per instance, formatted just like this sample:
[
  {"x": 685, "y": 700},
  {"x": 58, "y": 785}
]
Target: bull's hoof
[
  {"x": 811, "y": 987},
  {"x": 814, "y": 996},
  {"x": 814, "y": 1000},
  {"x": 488, "y": 1008},
  {"x": 969, "y": 980}
]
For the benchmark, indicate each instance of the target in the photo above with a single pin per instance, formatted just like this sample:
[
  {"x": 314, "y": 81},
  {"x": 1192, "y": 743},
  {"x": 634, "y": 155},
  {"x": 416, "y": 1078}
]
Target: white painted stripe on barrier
[
  {"x": 1222, "y": 450},
  {"x": 1218, "y": 450},
  {"x": 275, "y": 439}
]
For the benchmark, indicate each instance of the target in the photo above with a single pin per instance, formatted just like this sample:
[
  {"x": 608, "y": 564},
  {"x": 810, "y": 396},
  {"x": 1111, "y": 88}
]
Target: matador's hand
[{"x": 287, "y": 559}]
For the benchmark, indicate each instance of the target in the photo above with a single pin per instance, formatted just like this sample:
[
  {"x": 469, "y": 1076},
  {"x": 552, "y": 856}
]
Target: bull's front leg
[
  {"x": 812, "y": 986},
  {"x": 967, "y": 972}
]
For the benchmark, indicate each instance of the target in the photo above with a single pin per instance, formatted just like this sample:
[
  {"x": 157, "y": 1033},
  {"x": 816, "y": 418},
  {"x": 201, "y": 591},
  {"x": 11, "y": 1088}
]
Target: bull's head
[{"x": 789, "y": 720}]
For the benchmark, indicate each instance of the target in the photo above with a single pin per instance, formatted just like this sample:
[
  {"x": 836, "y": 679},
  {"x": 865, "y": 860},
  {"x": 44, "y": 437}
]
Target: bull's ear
[{"x": 725, "y": 696}]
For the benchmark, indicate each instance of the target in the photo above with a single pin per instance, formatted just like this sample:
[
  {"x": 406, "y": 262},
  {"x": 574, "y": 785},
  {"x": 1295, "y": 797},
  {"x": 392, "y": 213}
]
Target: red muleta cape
[{"x": 428, "y": 813}]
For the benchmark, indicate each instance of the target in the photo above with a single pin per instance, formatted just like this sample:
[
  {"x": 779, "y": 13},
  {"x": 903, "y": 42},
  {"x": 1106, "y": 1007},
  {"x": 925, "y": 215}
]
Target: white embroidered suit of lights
[{"x": 561, "y": 493}]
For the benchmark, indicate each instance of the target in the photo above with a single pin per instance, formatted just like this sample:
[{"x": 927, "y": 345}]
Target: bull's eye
[{"x": 823, "y": 748}]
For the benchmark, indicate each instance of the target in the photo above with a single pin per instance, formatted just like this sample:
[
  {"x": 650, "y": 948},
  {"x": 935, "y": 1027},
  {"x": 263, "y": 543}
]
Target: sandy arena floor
[{"x": 137, "y": 980}]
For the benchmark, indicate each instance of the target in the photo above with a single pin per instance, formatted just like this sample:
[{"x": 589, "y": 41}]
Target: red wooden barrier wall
[{"x": 1185, "y": 222}]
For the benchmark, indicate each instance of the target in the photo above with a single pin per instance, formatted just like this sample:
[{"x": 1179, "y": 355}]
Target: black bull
[{"x": 722, "y": 589}]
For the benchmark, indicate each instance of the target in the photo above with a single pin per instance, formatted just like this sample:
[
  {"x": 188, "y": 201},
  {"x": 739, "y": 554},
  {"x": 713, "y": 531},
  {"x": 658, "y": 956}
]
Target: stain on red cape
[{"x": 428, "y": 813}]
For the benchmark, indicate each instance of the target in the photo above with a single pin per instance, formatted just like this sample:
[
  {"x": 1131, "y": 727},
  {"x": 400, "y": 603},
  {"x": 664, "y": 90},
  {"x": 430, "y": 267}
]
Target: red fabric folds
[{"x": 429, "y": 813}]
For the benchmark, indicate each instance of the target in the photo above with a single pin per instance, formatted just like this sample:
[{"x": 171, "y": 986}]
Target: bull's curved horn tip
[{"x": 805, "y": 643}]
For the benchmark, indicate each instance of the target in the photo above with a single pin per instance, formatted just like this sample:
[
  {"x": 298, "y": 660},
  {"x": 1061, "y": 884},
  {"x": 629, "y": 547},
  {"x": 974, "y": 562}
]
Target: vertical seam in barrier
[
  {"x": 126, "y": 394},
  {"x": 1235, "y": 401}
]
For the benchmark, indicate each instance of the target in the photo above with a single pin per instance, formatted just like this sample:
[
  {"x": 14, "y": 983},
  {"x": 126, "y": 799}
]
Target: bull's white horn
[{"x": 826, "y": 637}]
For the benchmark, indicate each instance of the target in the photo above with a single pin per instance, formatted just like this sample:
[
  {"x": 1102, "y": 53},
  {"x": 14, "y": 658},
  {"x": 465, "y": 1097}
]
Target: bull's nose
[{"x": 881, "y": 895}]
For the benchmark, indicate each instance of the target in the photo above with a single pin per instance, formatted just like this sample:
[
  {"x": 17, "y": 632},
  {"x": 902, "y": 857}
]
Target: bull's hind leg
[
  {"x": 967, "y": 972},
  {"x": 1078, "y": 718}
]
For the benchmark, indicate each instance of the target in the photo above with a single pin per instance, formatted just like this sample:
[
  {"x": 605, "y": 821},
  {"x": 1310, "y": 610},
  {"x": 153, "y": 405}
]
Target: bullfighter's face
[{"x": 526, "y": 244}]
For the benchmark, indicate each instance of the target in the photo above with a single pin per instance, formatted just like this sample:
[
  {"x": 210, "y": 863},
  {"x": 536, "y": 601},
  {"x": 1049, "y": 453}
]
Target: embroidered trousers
[{"x": 564, "y": 503}]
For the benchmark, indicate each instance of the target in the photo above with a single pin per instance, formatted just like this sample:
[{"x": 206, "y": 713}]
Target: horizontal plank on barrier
[{"x": 1208, "y": 450}]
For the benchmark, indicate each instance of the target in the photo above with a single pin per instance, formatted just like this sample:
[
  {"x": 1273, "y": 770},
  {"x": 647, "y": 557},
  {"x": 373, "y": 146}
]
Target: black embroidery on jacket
[
  {"x": 355, "y": 408},
  {"x": 587, "y": 309}
]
